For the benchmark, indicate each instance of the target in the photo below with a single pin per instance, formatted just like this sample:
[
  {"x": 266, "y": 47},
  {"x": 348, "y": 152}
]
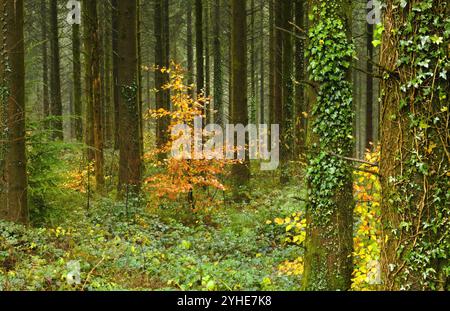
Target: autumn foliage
[{"x": 197, "y": 180}]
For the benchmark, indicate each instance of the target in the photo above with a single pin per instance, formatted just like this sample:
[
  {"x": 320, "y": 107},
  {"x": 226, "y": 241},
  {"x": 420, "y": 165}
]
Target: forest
[{"x": 224, "y": 145}]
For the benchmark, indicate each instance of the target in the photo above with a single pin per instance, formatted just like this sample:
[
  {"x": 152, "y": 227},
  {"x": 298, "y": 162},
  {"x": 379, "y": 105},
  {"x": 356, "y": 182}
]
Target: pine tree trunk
[
  {"x": 76, "y": 54},
  {"x": 272, "y": 53},
  {"x": 262, "y": 106},
  {"x": 95, "y": 107},
  {"x": 189, "y": 45},
  {"x": 199, "y": 46},
  {"x": 240, "y": 171},
  {"x": 14, "y": 205},
  {"x": 286, "y": 125},
  {"x": 161, "y": 60},
  {"x": 218, "y": 79},
  {"x": 44, "y": 30},
  {"x": 301, "y": 108},
  {"x": 207, "y": 61},
  {"x": 115, "y": 70},
  {"x": 55, "y": 77},
  {"x": 129, "y": 137}
]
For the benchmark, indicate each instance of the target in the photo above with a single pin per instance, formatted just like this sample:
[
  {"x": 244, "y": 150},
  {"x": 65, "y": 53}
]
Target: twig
[{"x": 353, "y": 159}]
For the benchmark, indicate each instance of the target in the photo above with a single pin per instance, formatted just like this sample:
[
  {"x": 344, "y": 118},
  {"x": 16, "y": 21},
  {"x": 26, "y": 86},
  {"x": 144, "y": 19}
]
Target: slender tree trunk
[
  {"x": 199, "y": 46},
  {"x": 301, "y": 109},
  {"x": 139, "y": 72},
  {"x": 286, "y": 147},
  {"x": 207, "y": 61},
  {"x": 44, "y": 29},
  {"x": 189, "y": 47},
  {"x": 115, "y": 70},
  {"x": 240, "y": 171},
  {"x": 93, "y": 49},
  {"x": 14, "y": 205},
  {"x": 129, "y": 145},
  {"x": 161, "y": 60},
  {"x": 369, "y": 86},
  {"x": 262, "y": 68},
  {"x": 272, "y": 53},
  {"x": 277, "y": 111},
  {"x": 55, "y": 77},
  {"x": 76, "y": 54},
  {"x": 218, "y": 79},
  {"x": 253, "y": 98},
  {"x": 108, "y": 105}
]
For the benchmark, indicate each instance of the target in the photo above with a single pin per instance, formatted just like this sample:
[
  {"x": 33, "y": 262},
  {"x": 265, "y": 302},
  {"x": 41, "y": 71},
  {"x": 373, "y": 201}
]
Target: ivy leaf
[{"x": 437, "y": 40}]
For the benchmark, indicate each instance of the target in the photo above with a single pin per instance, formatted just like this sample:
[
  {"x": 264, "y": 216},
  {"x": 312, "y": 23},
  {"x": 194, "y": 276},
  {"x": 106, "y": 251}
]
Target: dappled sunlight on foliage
[{"x": 366, "y": 275}]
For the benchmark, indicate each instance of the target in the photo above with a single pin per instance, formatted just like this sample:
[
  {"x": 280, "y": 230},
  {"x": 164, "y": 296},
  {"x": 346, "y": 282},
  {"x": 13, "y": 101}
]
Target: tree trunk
[
  {"x": 262, "y": 73},
  {"x": 218, "y": 79},
  {"x": 115, "y": 70},
  {"x": 240, "y": 171},
  {"x": 287, "y": 111},
  {"x": 45, "y": 93},
  {"x": 161, "y": 60},
  {"x": 272, "y": 53},
  {"x": 199, "y": 46},
  {"x": 207, "y": 61},
  {"x": 329, "y": 213},
  {"x": 415, "y": 158},
  {"x": 189, "y": 47},
  {"x": 301, "y": 122},
  {"x": 129, "y": 136},
  {"x": 369, "y": 86},
  {"x": 108, "y": 105},
  {"x": 93, "y": 49},
  {"x": 55, "y": 77},
  {"x": 76, "y": 54},
  {"x": 14, "y": 205}
]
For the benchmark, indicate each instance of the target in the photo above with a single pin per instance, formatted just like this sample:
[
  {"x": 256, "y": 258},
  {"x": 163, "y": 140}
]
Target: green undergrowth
[{"x": 126, "y": 246}]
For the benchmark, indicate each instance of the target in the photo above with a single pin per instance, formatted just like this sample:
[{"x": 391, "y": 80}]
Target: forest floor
[{"x": 129, "y": 246}]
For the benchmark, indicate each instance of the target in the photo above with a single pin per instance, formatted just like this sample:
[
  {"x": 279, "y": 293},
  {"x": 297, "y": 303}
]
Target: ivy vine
[
  {"x": 330, "y": 53},
  {"x": 420, "y": 192}
]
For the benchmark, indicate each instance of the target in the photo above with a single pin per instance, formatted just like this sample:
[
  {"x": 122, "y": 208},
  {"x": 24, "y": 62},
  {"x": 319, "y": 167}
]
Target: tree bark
[
  {"x": 55, "y": 75},
  {"x": 130, "y": 163},
  {"x": 199, "y": 47},
  {"x": 12, "y": 79},
  {"x": 218, "y": 72},
  {"x": 44, "y": 30},
  {"x": 240, "y": 172},
  {"x": 93, "y": 49},
  {"x": 76, "y": 67},
  {"x": 115, "y": 70},
  {"x": 287, "y": 111}
]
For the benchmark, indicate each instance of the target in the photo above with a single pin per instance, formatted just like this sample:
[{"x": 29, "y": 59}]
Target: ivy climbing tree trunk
[
  {"x": 329, "y": 213},
  {"x": 14, "y": 205},
  {"x": 130, "y": 162},
  {"x": 415, "y": 141},
  {"x": 240, "y": 172}
]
